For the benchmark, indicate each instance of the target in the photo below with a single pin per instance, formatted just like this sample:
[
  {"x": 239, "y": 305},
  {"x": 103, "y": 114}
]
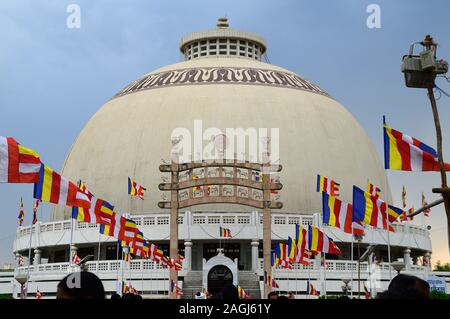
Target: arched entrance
[{"x": 218, "y": 277}]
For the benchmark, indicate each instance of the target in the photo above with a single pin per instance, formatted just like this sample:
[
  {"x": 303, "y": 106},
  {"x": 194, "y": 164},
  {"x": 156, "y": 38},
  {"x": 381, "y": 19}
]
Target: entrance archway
[{"x": 218, "y": 277}]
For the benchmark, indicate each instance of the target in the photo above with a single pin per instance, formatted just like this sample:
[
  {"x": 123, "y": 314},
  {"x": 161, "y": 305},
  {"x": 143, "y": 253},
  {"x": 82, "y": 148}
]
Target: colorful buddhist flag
[
  {"x": 319, "y": 242},
  {"x": 394, "y": 213},
  {"x": 427, "y": 211},
  {"x": 128, "y": 229},
  {"x": 242, "y": 294},
  {"x": 310, "y": 290},
  {"x": 100, "y": 212},
  {"x": 337, "y": 213},
  {"x": 125, "y": 288},
  {"x": 21, "y": 261},
  {"x": 405, "y": 153},
  {"x": 373, "y": 190},
  {"x": 369, "y": 210},
  {"x": 404, "y": 197},
  {"x": 21, "y": 215},
  {"x": 35, "y": 208},
  {"x": 302, "y": 256},
  {"x": 135, "y": 190},
  {"x": 75, "y": 259},
  {"x": 53, "y": 188},
  {"x": 224, "y": 232},
  {"x": 18, "y": 164},
  {"x": 326, "y": 185},
  {"x": 38, "y": 294}
]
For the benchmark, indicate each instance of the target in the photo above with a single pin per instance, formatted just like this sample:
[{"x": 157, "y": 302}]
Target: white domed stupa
[{"x": 222, "y": 83}]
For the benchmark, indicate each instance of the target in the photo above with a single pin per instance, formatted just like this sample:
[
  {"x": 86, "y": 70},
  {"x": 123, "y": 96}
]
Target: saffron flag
[
  {"x": 427, "y": 211},
  {"x": 326, "y": 185},
  {"x": 224, "y": 232},
  {"x": 18, "y": 164},
  {"x": 53, "y": 188},
  {"x": 405, "y": 153},
  {"x": 369, "y": 210},
  {"x": 21, "y": 215},
  {"x": 135, "y": 190},
  {"x": 319, "y": 242}
]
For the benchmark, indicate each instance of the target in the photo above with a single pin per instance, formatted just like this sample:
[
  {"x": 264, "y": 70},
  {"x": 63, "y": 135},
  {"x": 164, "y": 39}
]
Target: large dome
[{"x": 131, "y": 133}]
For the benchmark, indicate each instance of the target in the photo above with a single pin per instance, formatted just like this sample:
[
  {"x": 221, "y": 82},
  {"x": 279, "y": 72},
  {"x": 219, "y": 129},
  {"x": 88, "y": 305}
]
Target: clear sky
[{"x": 53, "y": 79}]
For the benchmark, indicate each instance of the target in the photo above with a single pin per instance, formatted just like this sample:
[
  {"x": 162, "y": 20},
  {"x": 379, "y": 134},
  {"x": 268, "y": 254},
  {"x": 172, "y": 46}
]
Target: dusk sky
[{"x": 54, "y": 78}]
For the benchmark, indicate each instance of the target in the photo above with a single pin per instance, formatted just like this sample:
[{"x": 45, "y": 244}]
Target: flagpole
[
  {"x": 309, "y": 280},
  {"x": 351, "y": 265},
  {"x": 387, "y": 225},
  {"x": 98, "y": 253},
  {"x": 117, "y": 270},
  {"x": 325, "y": 274},
  {"x": 29, "y": 261}
]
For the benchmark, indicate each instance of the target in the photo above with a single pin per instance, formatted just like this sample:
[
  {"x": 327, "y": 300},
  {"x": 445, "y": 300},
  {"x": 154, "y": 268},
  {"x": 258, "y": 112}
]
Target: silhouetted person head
[
  {"x": 423, "y": 286},
  {"x": 406, "y": 287},
  {"x": 230, "y": 291},
  {"x": 401, "y": 282},
  {"x": 80, "y": 285},
  {"x": 283, "y": 297},
  {"x": 272, "y": 295},
  {"x": 115, "y": 296}
]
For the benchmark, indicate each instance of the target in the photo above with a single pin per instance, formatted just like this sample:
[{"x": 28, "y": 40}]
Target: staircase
[
  {"x": 192, "y": 283},
  {"x": 249, "y": 281}
]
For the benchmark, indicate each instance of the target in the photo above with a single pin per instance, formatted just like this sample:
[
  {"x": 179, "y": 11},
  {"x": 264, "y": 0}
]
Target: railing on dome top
[
  {"x": 144, "y": 265},
  {"x": 204, "y": 217}
]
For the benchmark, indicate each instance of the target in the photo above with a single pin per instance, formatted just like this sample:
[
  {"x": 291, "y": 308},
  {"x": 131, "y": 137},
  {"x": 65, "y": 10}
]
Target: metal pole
[
  {"x": 267, "y": 224},
  {"x": 98, "y": 252},
  {"x": 351, "y": 264},
  {"x": 437, "y": 124},
  {"x": 359, "y": 271},
  {"x": 173, "y": 250},
  {"x": 29, "y": 262}
]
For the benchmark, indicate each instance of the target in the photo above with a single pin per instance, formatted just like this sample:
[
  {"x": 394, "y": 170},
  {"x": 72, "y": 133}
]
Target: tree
[{"x": 441, "y": 267}]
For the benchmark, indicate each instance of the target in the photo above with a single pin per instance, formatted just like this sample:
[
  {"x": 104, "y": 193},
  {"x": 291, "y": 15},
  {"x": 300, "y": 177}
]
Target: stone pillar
[
  {"x": 255, "y": 255},
  {"x": 37, "y": 257},
  {"x": 407, "y": 258},
  {"x": 187, "y": 265}
]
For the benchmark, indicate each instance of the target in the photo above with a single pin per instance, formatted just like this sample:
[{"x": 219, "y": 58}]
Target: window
[
  {"x": 212, "y": 47},
  {"x": 233, "y": 47},
  {"x": 228, "y": 219},
  {"x": 199, "y": 220},
  {"x": 279, "y": 220},
  {"x": 213, "y": 219},
  {"x": 222, "y": 46},
  {"x": 163, "y": 220},
  {"x": 243, "y": 220},
  {"x": 149, "y": 221}
]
